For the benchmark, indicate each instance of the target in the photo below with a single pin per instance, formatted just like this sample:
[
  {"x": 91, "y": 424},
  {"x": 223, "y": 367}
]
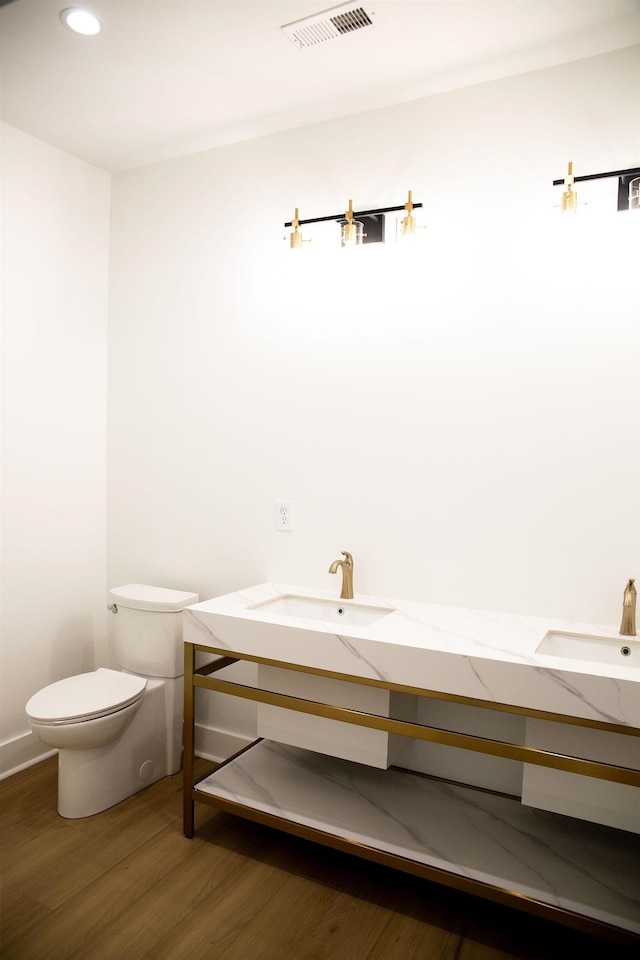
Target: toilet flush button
[{"x": 146, "y": 770}]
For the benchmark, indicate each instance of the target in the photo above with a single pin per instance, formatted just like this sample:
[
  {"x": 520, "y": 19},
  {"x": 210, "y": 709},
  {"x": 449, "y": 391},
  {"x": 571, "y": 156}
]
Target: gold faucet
[
  {"x": 628, "y": 625},
  {"x": 347, "y": 574}
]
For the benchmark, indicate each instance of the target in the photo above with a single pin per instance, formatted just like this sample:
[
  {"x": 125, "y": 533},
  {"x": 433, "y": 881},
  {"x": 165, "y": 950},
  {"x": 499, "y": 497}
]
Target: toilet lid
[{"x": 95, "y": 694}]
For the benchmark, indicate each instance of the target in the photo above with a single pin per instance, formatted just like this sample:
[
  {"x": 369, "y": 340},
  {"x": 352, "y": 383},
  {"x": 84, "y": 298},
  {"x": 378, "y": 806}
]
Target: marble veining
[
  {"x": 471, "y": 653},
  {"x": 373, "y": 670},
  {"x": 578, "y": 866}
]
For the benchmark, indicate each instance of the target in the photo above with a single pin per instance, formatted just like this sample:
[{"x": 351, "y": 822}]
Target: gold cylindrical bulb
[
  {"x": 352, "y": 232},
  {"x": 408, "y": 223},
  {"x": 569, "y": 197},
  {"x": 295, "y": 238}
]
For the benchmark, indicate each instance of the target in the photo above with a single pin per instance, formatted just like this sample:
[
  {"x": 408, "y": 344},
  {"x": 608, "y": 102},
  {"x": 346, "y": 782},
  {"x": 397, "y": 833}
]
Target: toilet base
[{"x": 92, "y": 780}]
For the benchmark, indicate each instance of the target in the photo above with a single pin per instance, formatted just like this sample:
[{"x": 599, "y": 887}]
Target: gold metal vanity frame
[{"x": 202, "y": 678}]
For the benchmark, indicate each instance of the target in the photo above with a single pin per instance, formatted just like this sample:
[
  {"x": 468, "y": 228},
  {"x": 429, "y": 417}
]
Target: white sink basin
[
  {"x": 620, "y": 651},
  {"x": 336, "y": 612}
]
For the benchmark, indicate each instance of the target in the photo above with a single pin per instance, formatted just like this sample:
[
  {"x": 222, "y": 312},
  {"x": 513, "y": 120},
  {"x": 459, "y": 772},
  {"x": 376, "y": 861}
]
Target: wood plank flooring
[{"x": 126, "y": 885}]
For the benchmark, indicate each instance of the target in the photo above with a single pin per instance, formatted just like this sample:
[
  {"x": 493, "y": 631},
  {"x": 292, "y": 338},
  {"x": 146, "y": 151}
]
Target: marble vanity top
[{"x": 480, "y": 654}]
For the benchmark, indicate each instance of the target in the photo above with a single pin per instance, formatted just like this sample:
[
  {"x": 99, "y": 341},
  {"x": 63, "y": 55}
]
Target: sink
[
  {"x": 336, "y": 612},
  {"x": 620, "y": 651}
]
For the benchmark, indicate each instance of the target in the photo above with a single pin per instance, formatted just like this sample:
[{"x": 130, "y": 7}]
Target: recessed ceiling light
[{"x": 81, "y": 21}]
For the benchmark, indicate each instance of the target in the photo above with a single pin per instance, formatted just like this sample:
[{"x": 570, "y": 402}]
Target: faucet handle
[
  {"x": 628, "y": 625},
  {"x": 347, "y": 557}
]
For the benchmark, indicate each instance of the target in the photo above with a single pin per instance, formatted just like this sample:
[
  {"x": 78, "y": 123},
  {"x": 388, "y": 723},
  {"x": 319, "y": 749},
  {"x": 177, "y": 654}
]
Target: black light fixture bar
[
  {"x": 631, "y": 172},
  {"x": 356, "y": 214}
]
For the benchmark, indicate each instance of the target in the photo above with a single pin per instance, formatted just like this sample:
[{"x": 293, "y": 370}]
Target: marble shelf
[{"x": 551, "y": 860}]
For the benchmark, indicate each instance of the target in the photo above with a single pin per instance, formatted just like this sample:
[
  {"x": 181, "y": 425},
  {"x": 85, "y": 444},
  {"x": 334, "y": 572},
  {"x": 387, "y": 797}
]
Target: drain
[{"x": 625, "y": 651}]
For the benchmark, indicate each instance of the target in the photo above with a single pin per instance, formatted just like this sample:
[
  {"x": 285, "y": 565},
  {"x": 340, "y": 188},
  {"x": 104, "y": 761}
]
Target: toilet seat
[{"x": 86, "y": 696}]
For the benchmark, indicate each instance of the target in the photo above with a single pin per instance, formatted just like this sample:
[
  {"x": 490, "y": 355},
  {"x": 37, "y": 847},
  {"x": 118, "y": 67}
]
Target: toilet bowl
[
  {"x": 88, "y": 710},
  {"x": 117, "y": 731}
]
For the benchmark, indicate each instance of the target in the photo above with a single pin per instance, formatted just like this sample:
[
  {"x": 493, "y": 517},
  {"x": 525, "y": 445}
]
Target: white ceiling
[{"x": 168, "y": 78}]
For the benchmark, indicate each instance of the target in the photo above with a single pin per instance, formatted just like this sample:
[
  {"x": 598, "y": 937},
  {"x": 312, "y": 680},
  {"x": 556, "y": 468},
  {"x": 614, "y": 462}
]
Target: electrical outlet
[{"x": 284, "y": 515}]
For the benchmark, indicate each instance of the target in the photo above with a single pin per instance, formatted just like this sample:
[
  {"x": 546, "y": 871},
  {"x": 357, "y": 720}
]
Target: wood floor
[{"x": 126, "y": 885}]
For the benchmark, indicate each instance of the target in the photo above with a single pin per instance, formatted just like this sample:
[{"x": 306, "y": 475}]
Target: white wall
[
  {"x": 55, "y": 233},
  {"x": 463, "y": 418}
]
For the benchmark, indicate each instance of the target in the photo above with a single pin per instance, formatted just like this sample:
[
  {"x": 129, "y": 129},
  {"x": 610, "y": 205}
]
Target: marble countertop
[{"x": 479, "y": 654}]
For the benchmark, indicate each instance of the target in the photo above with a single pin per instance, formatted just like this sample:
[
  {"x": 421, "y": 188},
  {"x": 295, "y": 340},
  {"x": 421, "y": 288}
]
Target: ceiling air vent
[{"x": 329, "y": 24}]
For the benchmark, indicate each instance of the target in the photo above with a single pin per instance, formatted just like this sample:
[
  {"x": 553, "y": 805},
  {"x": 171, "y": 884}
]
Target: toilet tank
[{"x": 147, "y": 628}]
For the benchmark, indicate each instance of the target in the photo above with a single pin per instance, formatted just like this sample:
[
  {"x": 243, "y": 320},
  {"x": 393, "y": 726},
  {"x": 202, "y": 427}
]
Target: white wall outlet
[{"x": 284, "y": 515}]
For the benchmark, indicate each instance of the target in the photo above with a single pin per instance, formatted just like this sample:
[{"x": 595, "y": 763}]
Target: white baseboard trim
[
  {"x": 20, "y": 753},
  {"x": 25, "y": 751},
  {"x": 217, "y": 745}
]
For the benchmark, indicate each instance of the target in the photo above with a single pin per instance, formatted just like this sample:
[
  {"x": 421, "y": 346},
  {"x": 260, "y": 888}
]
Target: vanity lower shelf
[{"x": 476, "y": 841}]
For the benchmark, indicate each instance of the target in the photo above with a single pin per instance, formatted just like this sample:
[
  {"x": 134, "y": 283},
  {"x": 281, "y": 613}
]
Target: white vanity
[{"x": 493, "y": 753}]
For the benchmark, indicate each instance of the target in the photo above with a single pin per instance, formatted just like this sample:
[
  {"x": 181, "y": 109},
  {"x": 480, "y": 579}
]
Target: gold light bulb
[
  {"x": 295, "y": 238},
  {"x": 569, "y": 197},
  {"x": 408, "y": 225},
  {"x": 352, "y": 232}
]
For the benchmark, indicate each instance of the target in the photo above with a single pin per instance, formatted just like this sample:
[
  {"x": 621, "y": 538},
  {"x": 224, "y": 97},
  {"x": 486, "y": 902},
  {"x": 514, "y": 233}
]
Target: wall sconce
[
  {"x": 352, "y": 233},
  {"x": 295, "y": 238},
  {"x": 408, "y": 223},
  {"x": 627, "y": 198},
  {"x": 569, "y": 197},
  {"x": 357, "y": 227}
]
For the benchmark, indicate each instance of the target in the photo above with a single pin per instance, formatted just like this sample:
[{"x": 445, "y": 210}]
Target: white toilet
[{"x": 117, "y": 731}]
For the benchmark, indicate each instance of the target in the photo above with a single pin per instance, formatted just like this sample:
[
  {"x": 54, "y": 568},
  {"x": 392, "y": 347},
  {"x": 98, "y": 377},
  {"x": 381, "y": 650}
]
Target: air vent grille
[
  {"x": 352, "y": 20},
  {"x": 329, "y": 24}
]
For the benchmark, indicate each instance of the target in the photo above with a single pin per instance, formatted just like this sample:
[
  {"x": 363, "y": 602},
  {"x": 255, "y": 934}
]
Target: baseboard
[
  {"x": 26, "y": 750},
  {"x": 217, "y": 745},
  {"x": 20, "y": 753}
]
